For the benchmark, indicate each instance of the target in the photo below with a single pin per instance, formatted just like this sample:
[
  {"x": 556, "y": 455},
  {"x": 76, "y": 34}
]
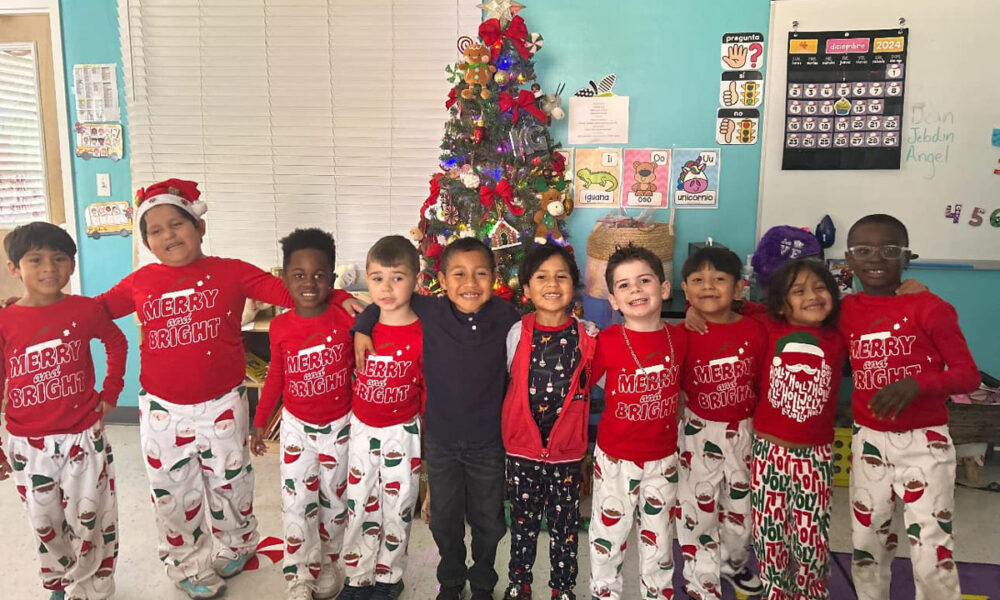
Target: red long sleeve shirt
[
  {"x": 722, "y": 370},
  {"x": 48, "y": 368},
  {"x": 800, "y": 379},
  {"x": 311, "y": 363},
  {"x": 390, "y": 389},
  {"x": 639, "y": 421},
  {"x": 192, "y": 348},
  {"x": 911, "y": 335}
]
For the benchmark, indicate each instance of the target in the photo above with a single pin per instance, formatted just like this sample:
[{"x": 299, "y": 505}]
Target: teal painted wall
[{"x": 90, "y": 35}]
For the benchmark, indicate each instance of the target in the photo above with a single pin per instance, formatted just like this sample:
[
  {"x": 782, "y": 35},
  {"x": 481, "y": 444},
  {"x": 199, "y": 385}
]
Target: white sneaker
[
  {"x": 330, "y": 581},
  {"x": 299, "y": 591},
  {"x": 743, "y": 581}
]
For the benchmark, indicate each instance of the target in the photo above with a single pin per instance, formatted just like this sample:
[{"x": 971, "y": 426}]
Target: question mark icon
[{"x": 755, "y": 51}]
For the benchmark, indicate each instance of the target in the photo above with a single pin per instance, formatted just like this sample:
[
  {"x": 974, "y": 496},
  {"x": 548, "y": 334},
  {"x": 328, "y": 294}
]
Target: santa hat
[
  {"x": 871, "y": 450},
  {"x": 38, "y": 481},
  {"x": 603, "y": 543},
  {"x": 943, "y": 554},
  {"x": 177, "y": 192},
  {"x": 799, "y": 341},
  {"x": 934, "y": 437},
  {"x": 227, "y": 415}
]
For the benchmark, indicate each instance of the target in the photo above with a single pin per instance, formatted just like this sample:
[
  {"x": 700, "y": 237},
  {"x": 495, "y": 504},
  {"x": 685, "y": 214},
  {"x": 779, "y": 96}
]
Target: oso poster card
[
  {"x": 646, "y": 175},
  {"x": 597, "y": 180},
  {"x": 844, "y": 102},
  {"x": 694, "y": 177}
]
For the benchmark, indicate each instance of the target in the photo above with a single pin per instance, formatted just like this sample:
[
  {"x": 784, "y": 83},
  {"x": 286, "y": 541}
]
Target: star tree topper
[{"x": 503, "y": 10}]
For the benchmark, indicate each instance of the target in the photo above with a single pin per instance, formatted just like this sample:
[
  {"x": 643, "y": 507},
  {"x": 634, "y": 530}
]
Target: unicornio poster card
[
  {"x": 694, "y": 177},
  {"x": 646, "y": 178}
]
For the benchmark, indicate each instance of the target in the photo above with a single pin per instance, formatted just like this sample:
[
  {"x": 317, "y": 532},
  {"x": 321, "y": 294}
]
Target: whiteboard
[{"x": 951, "y": 106}]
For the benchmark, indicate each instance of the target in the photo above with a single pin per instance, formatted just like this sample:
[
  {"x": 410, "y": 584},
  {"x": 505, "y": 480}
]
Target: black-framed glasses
[{"x": 889, "y": 252}]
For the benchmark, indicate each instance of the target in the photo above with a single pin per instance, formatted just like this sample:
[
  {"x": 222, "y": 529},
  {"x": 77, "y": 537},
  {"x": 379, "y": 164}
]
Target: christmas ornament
[
  {"x": 477, "y": 134},
  {"x": 554, "y": 208},
  {"x": 504, "y": 235},
  {"x": 488, "y": 196},
  {"x": 501, "y": 77},
  {"x": 534, "y": 42},
  {"x": 449, "y": 214},
  {"x": 477, "y": 67},
  {"x": 502, "y": 10},
  {"x": 468, "y": 177},
  {"x": 525, "y": 101},
  {"x": 514, "y": 282},
  {"x": 492, "y": 35}
]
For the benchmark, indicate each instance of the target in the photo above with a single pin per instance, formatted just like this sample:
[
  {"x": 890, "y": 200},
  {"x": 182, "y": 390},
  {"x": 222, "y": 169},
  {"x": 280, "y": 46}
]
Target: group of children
[{"x": 719, "y": 430}]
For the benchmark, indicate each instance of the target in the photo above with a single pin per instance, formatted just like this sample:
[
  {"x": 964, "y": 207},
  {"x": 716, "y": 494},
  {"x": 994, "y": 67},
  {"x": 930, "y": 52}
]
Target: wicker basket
[{"x": 603, "y": 241}]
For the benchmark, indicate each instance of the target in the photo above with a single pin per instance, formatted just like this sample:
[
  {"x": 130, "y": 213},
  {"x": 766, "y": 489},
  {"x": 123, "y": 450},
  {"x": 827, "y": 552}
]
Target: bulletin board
[{"x": 947, "y": 187}]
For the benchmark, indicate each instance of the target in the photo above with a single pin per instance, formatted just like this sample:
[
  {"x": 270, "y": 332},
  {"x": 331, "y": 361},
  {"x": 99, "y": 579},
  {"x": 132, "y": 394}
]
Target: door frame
[{"x": 51, "y": 8}]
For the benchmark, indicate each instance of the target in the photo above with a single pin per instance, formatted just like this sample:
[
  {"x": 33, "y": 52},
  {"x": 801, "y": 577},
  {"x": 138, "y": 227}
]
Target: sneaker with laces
[
  {"x": 228, "y": 566},
  {"x": 450, "y": 592},
  {"x": 353, "y": 592},
  {"x": 330, "y": 581},
  {"x": 207, "y": 587},
  {"x": 563, "y": 595},
  {"x": 517, "y": 591},
  {"x": 299, "y": 591},
  {"x": 743, "y": 581},
  {"x": 387, "y": 591}
]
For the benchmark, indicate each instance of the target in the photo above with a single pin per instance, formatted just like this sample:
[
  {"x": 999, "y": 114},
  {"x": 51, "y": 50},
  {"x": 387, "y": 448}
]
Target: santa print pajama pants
[
  {"x": 197, "y": 453},
  {"x": 791, "y": 519},
  {"x": 537, "y": 489},
  {"x": 714, "y": 496},
  {"x": 625, "y": 491},
  {"x": 383, "y": 484},
  {"x": 67, "y": 484},
  {"x": 919, "y": 467},
  {"x": 313, "y": 508}
]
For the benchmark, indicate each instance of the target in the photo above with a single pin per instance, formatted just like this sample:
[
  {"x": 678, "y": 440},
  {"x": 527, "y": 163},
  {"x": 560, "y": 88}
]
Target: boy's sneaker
[
  {"x": 387, "y": 591},
  {"x": 517, "y": 592},
  {"x": 563, "y": 595},
  {"x": 228, "y": 566},
  {"x": 208, "y": 587},
  {"x": 481, "y": 594},
  {"x": 451, "y": 592},
  {"x": 329, "y": 582},
  {"x": 299, "y": 591},
  {"x": 743, "y": 581},
  {"x": 353, "y": 592}
]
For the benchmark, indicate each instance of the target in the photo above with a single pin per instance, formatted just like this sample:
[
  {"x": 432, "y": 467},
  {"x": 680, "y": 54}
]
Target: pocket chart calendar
[{"x": 844, "y": 100}]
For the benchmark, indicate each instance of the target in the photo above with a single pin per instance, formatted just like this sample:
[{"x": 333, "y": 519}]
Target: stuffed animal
[
  {"x": 552, "y": 103},
  {"x": 554, "y": 208},
  {"x": 478, "y": 70}
]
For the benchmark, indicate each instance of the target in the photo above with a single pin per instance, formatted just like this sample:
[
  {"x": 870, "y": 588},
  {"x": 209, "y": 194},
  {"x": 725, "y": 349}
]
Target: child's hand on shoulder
[
  {"x": 257, "y": 444},
  {"x": 693, "y": 321},
  {"x": 5, "y": 302},
  {"x": 363, "y": 346},
  {"x": 5, "y": 469},
  {"x": 911, "y": 286},
  {"x": 353, "y": 306},
  {"x": 888, "y": 402}
]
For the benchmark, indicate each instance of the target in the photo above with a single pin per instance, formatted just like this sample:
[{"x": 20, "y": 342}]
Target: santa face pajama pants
[
  {"x": 714, "y": 496},
  {"x": 625, "y": 492},
  {"x": 67, "y": 484},
  {"x": 790, "y": 499},
  {"x": 537, "y": 489},
  {"x": 382, "y": 487},
  {"x": 313, "y": 507},
  {"x": 917, "y": 466},
  {"x": 198, "y": 464}
]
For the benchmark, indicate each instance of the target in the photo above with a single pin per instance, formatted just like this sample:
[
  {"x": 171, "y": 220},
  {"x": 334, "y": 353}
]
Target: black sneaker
[
  {"x": 453, "y": 592},
  {"x": 517, "y": 592},
  {"x": 387, "y": 591},
  {"x": 353, "y": 592},
  {"x": 481, "y": 594},
  {"x": 743, "y": 581},
  {"x": 563, "y": 595}
]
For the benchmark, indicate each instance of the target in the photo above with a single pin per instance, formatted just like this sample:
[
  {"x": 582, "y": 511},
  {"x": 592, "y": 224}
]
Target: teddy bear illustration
[
  {"x": 645, "y": 173},
  {"x": 554, "y": 208},
  {"x": 477, "y": 67}
]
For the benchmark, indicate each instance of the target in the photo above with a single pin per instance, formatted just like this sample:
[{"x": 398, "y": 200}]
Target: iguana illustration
[{"x": 597, "y": 178}]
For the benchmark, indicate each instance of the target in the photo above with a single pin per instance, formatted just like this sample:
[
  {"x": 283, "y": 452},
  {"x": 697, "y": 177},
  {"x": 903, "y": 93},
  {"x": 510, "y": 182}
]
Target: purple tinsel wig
[{"x": 779, "y": 245}]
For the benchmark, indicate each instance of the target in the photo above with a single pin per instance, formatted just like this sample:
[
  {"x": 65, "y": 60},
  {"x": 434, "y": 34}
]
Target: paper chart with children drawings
[
  {"x": 597, "y": 180},
  {"x": 646, "y": 175},
  {"x": 844, "y": 101},
  {"x": 694, "y": 177}
]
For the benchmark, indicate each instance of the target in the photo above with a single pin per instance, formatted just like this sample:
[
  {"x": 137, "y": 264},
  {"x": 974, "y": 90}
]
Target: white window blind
[
  {"x": 22, "y": 170},
  {"x": 292, "y": 113}
]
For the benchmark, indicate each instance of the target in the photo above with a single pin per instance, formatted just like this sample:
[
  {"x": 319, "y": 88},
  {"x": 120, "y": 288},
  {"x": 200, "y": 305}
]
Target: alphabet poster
[
  {"x": 646, "y": 177},
  {"x": 694, "y": 177},
  {"x": 597, "y": 177},
  {"x": 844, "y": 101}
]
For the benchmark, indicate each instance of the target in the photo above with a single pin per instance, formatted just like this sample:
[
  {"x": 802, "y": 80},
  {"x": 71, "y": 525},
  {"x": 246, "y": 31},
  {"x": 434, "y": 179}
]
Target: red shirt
[
  {"x": 722, "y": 369},
  {"x": 912, "y": 335},
  {"x": 390, "y": 389},
  {"x": 192, "y": 348},
  {"x": 48, "y": 367},
  {"x": 639, "y": 422},
  {"x": 800, "y": 378},
  {"x": 311, "y": 363}
]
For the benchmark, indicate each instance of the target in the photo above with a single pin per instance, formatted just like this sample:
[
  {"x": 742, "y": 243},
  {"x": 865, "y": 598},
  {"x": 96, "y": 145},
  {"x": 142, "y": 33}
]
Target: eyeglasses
[{"x": 890, "y": 252}]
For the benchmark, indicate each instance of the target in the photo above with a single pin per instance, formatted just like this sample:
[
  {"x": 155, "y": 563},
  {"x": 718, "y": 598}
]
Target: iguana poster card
[
  {"x": 597, "y": 177},
  {"x": 646, "y": 178},
  {"x": 694, "y": 177}
]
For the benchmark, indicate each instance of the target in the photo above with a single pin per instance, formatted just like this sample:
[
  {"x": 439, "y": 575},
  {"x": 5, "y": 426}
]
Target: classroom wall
[{"x": 90, "y": 35}]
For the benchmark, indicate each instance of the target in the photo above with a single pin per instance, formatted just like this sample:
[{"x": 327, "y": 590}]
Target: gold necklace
[{"x": 638, "y": 364}]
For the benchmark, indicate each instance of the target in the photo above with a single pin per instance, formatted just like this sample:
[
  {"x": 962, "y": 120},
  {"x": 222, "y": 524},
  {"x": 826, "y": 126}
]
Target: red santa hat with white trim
[{"x": 177, "y": 192}]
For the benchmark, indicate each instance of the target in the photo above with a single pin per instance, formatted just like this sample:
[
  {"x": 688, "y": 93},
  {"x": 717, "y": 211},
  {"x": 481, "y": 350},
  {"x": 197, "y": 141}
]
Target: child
[
  {"x": 900, "y": 346},
  {"x": 635, "y": 463},
  {"x": 311, "y": 363},
  {"x": 384, "y": 451},
  {"x": 62, "y": 461},
  {"x": 720, "y": 378},
  {"x": 194, "y": 410},
  {"x": 464, "y": 357},
  {"x": 545, "y": 418},
  {"x": 793, "y": 426}
]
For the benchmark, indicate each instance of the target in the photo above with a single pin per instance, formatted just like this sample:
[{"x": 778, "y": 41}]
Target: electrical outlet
[{"x": 103, "y": 185}]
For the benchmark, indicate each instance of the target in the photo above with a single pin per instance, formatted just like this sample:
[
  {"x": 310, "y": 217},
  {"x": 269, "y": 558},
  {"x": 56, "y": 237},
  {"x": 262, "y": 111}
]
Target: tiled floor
[{"x": 140, "y": 576}]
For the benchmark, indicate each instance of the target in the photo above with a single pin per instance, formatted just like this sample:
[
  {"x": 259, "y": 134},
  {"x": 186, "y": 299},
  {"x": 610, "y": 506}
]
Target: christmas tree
[{"x": 501, "y": 179}]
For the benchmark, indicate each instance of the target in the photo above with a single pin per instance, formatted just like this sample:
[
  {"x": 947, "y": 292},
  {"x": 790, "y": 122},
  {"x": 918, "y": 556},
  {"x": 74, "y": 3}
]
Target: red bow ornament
[
  {"x": 516, "y": 32},
  {"x": 435, "y": 192},
  {"x": 525, "y": 100},
  {"x": 488, "y": 196},
  {"x": 452, "y": 99}
]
